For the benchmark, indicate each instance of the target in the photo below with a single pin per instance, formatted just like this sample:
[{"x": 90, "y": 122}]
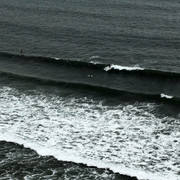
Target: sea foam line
[
  {"x": 166, "y": 96},
  {"x": 67, "y": 157},
  {"x": 118, "y": 67}
]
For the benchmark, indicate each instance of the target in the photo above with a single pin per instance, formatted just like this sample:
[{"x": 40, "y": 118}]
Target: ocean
[{"x": 90, "y": 90}]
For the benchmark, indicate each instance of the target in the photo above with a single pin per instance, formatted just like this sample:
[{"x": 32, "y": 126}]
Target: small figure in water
[
  {"x": 21, "y": 51},
  {"x": 90, "y": 75}
]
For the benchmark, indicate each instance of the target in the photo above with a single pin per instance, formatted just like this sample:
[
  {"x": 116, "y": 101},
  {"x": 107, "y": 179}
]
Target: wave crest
[
  {"x": 104, "y": 90},
  {"x": 166, "y": 96},
  {"x": 94, "y": 64},
  {"x": 120, "y": 68}
]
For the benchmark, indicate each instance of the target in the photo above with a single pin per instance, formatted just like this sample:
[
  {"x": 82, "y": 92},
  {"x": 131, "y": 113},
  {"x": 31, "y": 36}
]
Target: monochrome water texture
[{"x": 90, "y": 89}]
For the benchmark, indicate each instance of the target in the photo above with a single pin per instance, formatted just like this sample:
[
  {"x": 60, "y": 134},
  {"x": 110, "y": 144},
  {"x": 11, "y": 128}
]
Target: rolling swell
[
  {"x": 122, "y": 94},
  {"x": 56, "y": 61},
  {"x": 133, "y": 83},
  {"x": 90, "y": 64}
]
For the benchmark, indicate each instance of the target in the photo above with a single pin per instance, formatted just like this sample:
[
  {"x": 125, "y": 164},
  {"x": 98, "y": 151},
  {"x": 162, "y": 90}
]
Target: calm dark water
[{"x": 95, "y": 93}]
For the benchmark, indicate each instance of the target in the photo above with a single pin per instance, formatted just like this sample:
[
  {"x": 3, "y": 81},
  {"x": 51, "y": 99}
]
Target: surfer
[{"x": 21, "y": 51}]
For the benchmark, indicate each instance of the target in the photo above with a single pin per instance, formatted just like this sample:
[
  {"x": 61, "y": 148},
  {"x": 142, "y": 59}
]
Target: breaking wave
[
  {"x": 92, "y": 63},
  {"x": 166, "y": 96},
  {"x": 104, "y": 90}
]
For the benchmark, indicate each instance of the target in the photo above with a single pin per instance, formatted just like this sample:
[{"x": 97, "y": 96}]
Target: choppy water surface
[{"x": 90, "y": 89}]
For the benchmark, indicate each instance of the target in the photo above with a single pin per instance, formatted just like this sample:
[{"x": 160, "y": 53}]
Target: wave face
[
  {"x": 93, "y": 64},
  {"x": 114, "y": 79},
  {"x": 123, "y": 138}
]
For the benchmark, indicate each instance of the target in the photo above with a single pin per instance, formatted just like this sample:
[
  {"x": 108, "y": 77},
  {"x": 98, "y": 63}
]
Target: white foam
[
  {"x": 93, "y": 57},
  {"x": 56, "y": 58},
  {"x": 126, "y": 139},
  {"x": 166, "y": 96},
  {"x": 120, "y": 68},
  {"x": 95, "y": 62}
]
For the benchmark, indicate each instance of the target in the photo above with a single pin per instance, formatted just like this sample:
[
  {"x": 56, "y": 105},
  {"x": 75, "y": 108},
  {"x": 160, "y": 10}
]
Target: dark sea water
[{"x": 95, "y": 93}]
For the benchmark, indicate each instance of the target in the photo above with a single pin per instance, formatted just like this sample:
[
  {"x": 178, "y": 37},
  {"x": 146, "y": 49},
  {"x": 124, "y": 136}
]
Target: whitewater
[
  {"x": 90, "y": 90},
  {"x": 128, "y": 139}
]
